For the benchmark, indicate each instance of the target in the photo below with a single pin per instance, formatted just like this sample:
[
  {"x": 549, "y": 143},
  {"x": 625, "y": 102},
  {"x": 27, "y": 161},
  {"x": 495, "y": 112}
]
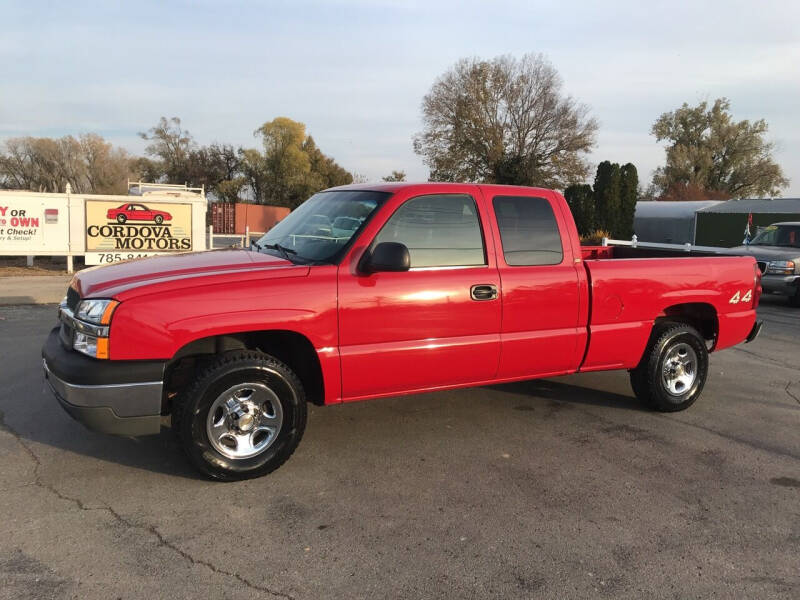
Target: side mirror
[{"x": 387, "y": 256}]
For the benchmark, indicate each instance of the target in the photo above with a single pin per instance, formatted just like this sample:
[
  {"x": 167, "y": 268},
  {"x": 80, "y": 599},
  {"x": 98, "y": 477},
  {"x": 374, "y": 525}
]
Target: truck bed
[{"x": 631, "y": 287}]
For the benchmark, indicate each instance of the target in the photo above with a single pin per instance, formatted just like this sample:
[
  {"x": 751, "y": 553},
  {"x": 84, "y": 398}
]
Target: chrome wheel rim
[
  {"x": 244, "y": 420},
  {"x": 679, "y": 370}
]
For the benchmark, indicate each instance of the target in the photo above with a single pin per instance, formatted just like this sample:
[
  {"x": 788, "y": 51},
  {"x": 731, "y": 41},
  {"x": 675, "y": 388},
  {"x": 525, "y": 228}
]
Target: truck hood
[
  {"x": 765, "y": 253},
  {"x": 161, "y": 273}
]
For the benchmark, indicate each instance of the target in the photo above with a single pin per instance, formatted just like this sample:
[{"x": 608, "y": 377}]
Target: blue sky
[{"x": 355, "y": 71}]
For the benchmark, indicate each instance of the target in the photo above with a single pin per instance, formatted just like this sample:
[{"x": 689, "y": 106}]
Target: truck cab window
[
  {"x": 440, "y": 230},
  {"x": 323, "y": 227},
  {"x": 528, "y": 231}
]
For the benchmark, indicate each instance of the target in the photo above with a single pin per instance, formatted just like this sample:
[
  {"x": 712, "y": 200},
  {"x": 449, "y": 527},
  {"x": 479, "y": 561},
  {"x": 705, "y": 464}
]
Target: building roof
[
  {"x": 756, "y": 205},
  {"x": 671, "y": 209}
]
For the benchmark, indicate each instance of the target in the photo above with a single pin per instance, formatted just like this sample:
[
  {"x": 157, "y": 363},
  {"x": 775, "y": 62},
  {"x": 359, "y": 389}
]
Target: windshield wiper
[{"x": 284, "y": 251}]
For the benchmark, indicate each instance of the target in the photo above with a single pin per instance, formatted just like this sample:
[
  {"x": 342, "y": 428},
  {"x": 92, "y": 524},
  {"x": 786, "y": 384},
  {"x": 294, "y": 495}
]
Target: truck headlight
[
  {"x": 780, "y": 267},
  {"x": 96, "y": 347},
  {"x": 97, "y": 312},
  {"x": 92, "y": 320}
]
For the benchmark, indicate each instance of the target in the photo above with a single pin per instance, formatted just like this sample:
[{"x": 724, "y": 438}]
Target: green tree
[
  {"x": 253, "y": 170},
  {"x": 629, "y": 195},
  {"x": 214, "y": 167},
  {"x": 608, "y": 205},
  {"x": 291, "y": 167},
  {"x": 709, "y": 151},
  {"x": 505, "y": 120},
  {"x": 395, "y": 176},
  {"x": 580, "y": 199},
  {"x": 147, "y": 169},
  {"x": 330, "y": 174}
]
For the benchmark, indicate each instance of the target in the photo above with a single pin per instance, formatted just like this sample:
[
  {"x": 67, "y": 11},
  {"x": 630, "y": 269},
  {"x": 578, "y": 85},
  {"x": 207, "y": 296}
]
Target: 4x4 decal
[{"x": 737, "y": 297}]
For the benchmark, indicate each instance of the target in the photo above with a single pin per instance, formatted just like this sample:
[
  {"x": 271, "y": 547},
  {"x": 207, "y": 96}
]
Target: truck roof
[{"x": 430, "y": 186}]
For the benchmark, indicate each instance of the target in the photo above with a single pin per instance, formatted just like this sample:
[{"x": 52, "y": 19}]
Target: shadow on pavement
[
  {"x": 159, "y": 453},
  {"x": 47, "y": 424},
  {"x": 561, "y": 391}
]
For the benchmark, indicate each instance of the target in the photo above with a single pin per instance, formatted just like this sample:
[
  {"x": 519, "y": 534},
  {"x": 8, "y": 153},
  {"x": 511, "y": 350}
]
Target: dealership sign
[
  {"x": 134, "y": 229},
  {"x": 30, "y": 224}
]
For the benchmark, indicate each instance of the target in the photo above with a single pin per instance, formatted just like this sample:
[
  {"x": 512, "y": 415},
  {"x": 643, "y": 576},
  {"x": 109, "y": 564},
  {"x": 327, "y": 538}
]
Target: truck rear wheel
[
  {"x": 673, "y": 370},
  {"x": 243, "y": 417}
]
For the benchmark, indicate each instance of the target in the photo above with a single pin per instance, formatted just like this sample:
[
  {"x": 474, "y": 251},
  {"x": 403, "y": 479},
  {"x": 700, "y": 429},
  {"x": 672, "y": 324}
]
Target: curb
[{"x": 33, "y": 289}]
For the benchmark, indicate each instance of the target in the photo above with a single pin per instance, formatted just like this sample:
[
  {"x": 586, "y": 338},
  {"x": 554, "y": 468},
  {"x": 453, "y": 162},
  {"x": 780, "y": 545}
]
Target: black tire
[
  {"x": 794, "y": 300},
  {"x": 158, "y": 219},
  {"x": 121, "y": 219},
  {"x": 649, "y": 379},
  {"x": 191, "y": 412}
]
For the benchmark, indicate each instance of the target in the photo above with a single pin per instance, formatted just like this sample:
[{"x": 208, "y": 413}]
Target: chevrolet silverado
[{"x": 368, "y": 291}]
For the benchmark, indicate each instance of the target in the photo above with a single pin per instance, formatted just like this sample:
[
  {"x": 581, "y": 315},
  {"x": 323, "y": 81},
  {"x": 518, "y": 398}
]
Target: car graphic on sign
[{"x": 137, "y": 212}]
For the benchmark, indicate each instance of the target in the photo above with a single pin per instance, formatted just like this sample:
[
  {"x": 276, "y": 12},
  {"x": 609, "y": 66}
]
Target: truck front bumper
[
  {"x": 786, "y": 285},
  {"x": 117, "y": 397}
]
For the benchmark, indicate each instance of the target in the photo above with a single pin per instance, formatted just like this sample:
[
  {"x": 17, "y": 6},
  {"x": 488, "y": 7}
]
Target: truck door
[
  {"x": 540, "y": 332},
  {"x": 434, "y": 325}
]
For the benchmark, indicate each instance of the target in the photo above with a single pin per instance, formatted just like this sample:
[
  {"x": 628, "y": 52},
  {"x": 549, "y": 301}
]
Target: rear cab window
[{"x": 528, "y": 231}]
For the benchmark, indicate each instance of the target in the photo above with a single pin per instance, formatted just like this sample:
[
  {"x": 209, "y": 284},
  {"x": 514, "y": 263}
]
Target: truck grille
[
  {"x": 762, "y": 266},
  {"x": 66, "y": 332},
  {"x": 73, "y": 297}
]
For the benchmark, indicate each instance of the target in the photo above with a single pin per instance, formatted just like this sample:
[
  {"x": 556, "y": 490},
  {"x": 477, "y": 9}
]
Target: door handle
[{"x": 484, "y": 291}]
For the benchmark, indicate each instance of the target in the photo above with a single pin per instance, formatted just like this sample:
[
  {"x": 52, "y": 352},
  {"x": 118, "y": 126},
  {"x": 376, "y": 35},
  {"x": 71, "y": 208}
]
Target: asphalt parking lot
[{"x": 556, "y": 489}]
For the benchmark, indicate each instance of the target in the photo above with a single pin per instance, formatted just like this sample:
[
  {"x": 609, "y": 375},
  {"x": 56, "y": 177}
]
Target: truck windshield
[
  {"x": 322, "y": 227},
  {"x": 778, "y": 235}
]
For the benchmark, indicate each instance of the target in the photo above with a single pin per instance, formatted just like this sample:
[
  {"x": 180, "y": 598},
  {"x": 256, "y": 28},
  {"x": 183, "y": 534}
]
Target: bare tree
[
  {"x": 395, "y": 176},
  {"x": 505, "y": 120},
  {"x": 89, "y": 164},
  {"x": 170, "y": 145}
]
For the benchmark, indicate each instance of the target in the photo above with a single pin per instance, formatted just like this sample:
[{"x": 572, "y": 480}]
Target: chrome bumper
[{"x": 780, "y": 284}]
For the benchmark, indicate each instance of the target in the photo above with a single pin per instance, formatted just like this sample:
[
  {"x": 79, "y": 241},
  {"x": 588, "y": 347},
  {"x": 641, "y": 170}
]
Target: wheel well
[
  {"x": 699, "y": 315},
  {"x": 289, "y": 347}
]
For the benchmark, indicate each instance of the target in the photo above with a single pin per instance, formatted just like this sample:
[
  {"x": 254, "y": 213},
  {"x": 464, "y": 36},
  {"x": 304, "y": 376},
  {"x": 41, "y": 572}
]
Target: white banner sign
[{"x": 33, "y": 224}]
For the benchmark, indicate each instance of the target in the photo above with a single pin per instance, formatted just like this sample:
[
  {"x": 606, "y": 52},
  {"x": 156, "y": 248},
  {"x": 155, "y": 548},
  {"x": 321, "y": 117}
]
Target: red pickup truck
[{"x": 369, "y": 291}]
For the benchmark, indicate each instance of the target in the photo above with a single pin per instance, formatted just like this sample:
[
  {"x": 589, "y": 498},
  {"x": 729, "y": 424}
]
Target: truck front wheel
[
  {"x": 794, "y": 299},
  {"x": 243, "y": 416},
  {"x": 673, "y": 370}
]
